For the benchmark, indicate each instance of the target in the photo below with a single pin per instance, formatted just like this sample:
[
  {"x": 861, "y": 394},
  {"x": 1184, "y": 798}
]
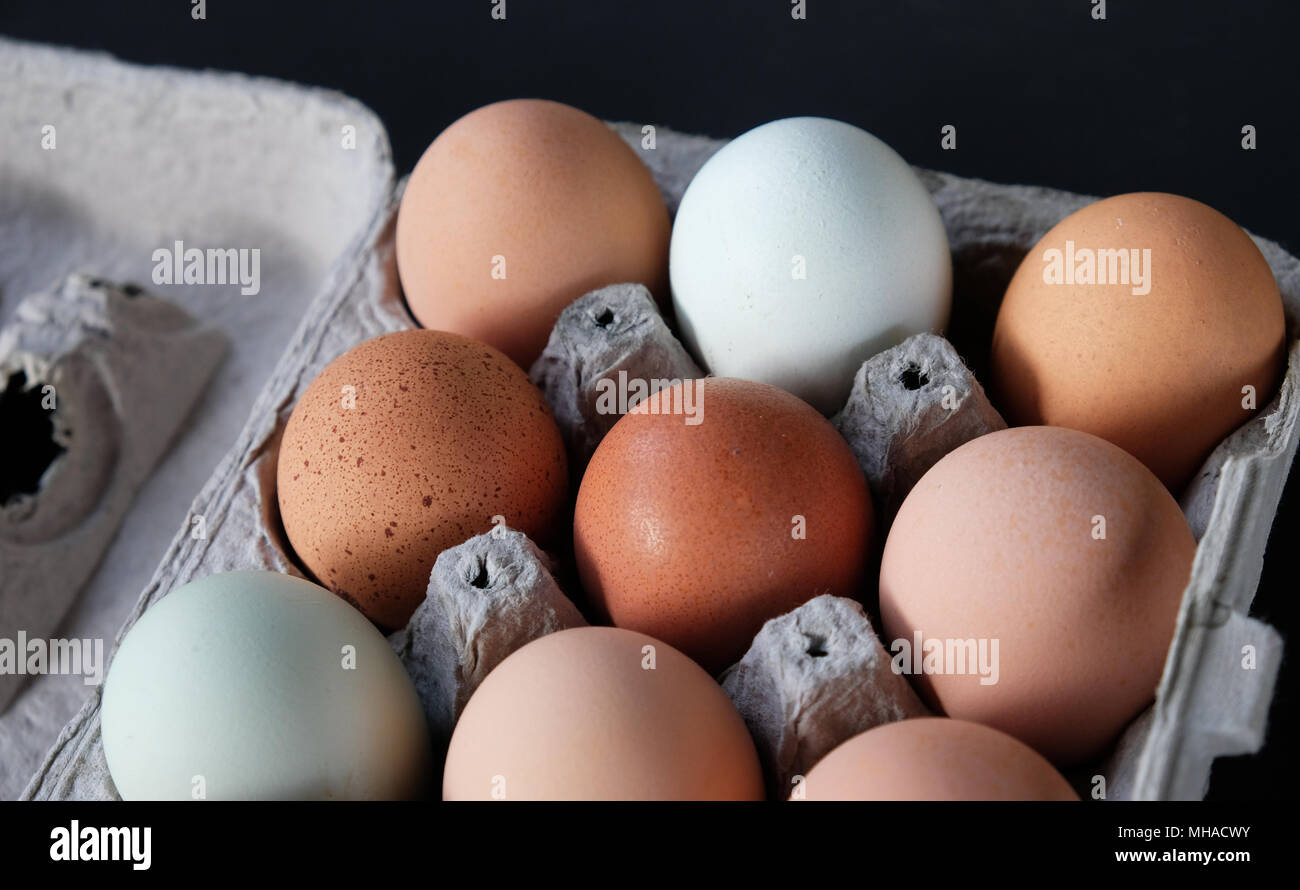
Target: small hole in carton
[
  {"x": 816, "y": 646},
  {"x": 29, "y": 434},
  {"x": 913, "y": 377},
  {"x": 480, "y": 579},
  {"x": 605, "y": 317}
]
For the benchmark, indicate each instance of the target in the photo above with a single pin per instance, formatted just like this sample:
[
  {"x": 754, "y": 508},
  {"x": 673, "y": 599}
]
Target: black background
[
  {"x": 1152, "y": 98},
  {"x": 649, "y": 845}
]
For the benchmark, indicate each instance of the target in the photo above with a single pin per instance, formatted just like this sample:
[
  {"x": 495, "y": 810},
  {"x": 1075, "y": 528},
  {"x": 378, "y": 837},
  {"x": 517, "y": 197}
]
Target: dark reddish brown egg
[{"x": 696, "y": 527}]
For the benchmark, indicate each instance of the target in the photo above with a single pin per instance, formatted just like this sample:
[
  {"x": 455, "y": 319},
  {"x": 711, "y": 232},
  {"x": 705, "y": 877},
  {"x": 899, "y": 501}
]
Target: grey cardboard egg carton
[
  {"x": 121, "y": 370},
  {"x": 101, "y": 164},
  {"x": 819, "y": 674}
]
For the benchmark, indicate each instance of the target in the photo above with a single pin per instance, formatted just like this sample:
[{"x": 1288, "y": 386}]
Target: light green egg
[{"x": 261, "y": 686}]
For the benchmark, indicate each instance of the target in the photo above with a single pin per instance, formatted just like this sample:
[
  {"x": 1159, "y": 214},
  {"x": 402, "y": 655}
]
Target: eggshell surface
[
  {"x": 260, "y": 686},
  {"x": 697, "y": 533},
  {"x": 408, "y": 444},
  {"x": 801, "y": 249},
  {"x": 933, "y": 758},
  {"x": 1157, "y": 359},
  {"x": 516, "y": 210},
  {"x": 1064, "y": 551},
  {"x": 600, "y": 713}
]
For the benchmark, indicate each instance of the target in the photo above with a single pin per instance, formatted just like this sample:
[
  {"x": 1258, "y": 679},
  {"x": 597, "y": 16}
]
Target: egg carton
[
  {"x": 1206, "y": 706},
  {"x": 101, "y": 164},
  {"x": 120, "y": 370}
]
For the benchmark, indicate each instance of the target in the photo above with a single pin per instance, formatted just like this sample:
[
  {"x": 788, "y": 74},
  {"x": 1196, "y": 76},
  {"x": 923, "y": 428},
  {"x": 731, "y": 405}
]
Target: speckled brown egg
[
  {"x": 698, "y": 527},
  {"x": 406, "y": 445},
  {"x": 1148, "y": 319}
]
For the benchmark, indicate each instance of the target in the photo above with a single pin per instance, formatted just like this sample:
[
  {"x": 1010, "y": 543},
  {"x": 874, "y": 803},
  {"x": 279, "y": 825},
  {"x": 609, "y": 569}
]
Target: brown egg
[
  {"x": 406, "y": 445},
  {"x": 1031, "y": 581},
  {"x": 1156, "y": 359},
  {"x": 696, "y": 530},
  {"x": 933, "y": 758},
  {"x": 516, "y": 210},
  {"x": 599, "y": 713}
]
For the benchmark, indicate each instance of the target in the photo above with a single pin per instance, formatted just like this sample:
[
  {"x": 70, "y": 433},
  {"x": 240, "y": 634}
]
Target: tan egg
[
  {"x": 516, "y": 210},
  {"x": 1154, "y": 347},
  {"x": 1047, "y": 565},
  {"x": 698, "y": 529},
  {"x": 933, "y": 758},
  {"x": 408, "y": 444},
  {"x": 599, "y": 713}
]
